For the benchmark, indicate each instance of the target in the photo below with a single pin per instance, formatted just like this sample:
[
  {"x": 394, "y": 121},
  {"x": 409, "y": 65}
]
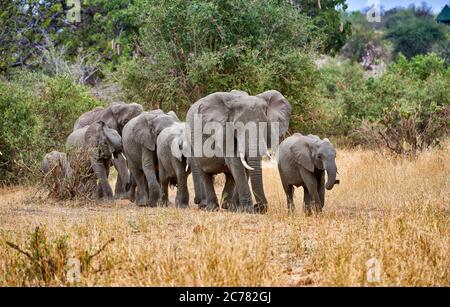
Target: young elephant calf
[
  {"x": 303, "y": 161},
  {"x": 172, "y": 150}
]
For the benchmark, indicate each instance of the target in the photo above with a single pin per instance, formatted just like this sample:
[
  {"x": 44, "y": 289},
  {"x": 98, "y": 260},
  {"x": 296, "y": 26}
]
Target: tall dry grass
[{"x": 391, "y": 209}]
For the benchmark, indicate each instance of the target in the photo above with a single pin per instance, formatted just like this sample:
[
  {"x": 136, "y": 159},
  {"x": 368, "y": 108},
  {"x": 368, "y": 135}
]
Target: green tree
[
  {"x": 192, "y": 48},
  {"x": 327, "y": 17},
  {"x": 414, "y": 30}
]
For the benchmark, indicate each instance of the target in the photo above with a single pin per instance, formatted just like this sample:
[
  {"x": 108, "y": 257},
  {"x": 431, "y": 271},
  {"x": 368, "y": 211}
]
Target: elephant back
[
  {"x": 88, "y": 118},
  {"x": 77, "y": 138}
]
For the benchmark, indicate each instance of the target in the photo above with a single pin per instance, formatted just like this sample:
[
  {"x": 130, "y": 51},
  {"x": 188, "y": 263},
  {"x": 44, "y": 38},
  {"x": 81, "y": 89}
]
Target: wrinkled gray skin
[
  {"x": 172, "y": 149},
  {"x": 236, "y": 106},
  {"x": 303, "y": 161},
  {"x": 116, "y": 116},
  {"x": 103, "y": 142},
  {"x": 140, "y": 145},
  {"x": 55, "y": 159}
]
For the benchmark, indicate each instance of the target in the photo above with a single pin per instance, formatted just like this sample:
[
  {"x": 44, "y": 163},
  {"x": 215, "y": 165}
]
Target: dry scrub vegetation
[{"x": 390, "y": 208}]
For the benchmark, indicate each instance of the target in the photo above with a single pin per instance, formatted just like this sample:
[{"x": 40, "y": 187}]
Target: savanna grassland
[{"x": 393, "y": 209}]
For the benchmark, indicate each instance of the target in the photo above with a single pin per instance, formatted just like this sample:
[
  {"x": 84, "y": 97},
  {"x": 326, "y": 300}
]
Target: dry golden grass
[{"x": 393, "y": 209}]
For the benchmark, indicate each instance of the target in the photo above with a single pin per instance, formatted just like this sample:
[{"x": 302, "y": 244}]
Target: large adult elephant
[
  {"x": 236, "y": 109},
  {"x": 140, "y": 144},
  {"x": 116, "y": 116},
  {"x": 103, "y": 143}
]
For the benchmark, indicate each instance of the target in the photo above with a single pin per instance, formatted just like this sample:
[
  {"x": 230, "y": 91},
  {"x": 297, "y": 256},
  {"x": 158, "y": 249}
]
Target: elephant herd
[{"x": 224, "y": 132}]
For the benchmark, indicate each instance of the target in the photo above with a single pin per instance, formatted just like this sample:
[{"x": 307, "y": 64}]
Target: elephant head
[
  {"x": 243, "y": 111},
  {"x": 311, "y": 152},
  {"x": 118, "y": 115},
  {"x": 180, "y": 145},
  {"x": 105, "y": 139},
  {"x": 149, "y": 126},
  {"x": 240, "y": 109}
]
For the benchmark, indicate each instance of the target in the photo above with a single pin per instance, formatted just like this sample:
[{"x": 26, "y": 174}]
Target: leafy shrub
[
  {"x": 219, "y": 46},
  {"x": 36, "y": 116},
  {"x": 406, "y": 109}
]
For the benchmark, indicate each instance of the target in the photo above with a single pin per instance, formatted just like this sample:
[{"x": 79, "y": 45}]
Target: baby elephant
[
  {"x": 54, "y": 160},
  {"x": 303, "y": 161},
  {"x": 172, "y": 149}
]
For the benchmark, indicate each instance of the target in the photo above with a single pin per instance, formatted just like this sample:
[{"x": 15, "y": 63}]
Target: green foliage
[
  {"x": 410, "y": 31},
  {"x": 218, "y": 46},
  {"x": 25, "y": 25},
  {"x": 327, "y": 19},
  {"x": 36, "y": 116},
  {"x": 415, "y": 36},
  {"x": 409, "y": 104}
]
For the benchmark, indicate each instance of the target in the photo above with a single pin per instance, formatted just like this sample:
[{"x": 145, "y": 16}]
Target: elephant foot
[
  {"x": 109, "y": 200},
  {"x": 119, "y": 196},
  {"x": 241, "y": 209},
  {"x": 197, "y": 200},
  {"x": 182, "y": 206},
  {"x": 261, "y": 208},
  {"x": 202, "y": 205},
  {"x": 211, "y": 207}
]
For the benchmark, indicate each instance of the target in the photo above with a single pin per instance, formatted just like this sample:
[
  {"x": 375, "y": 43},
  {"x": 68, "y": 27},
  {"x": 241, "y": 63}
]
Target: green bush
[
  {"x": 406, "y": 109},
  {"x": 37, "y": 114},
  {"x": 222, "y": 45}
]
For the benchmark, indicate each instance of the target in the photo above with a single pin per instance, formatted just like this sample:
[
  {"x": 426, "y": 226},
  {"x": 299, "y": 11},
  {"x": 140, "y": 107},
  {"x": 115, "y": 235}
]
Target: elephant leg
[
  {"x": 289, "y": 190},
  {"x": 102, "y": 175},
  {"x": 149, "y": 166},
  {"x": 199, "y": 189},
  {"x": 241, "y": 182},
  {"x": 139, "y": 182},
  {"x": 228, "y": 191},
  {"x": 210, "y": 194},
  {"x": 311, "y": 184},
  {"x": 123, "y": 178},
  {"x": 307, "y": 202},
  {"x": 164, "y": 188},
  {"x": 132, "y": 189},
  {"x": 182, "y": 198}
]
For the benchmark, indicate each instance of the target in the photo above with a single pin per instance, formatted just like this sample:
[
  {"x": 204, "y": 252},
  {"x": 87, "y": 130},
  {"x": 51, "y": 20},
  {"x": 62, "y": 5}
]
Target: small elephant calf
[
  {"x": 303, "y": 161},
  {"x": 54, "y": 160},
  {"x": 172, "y": 149}
]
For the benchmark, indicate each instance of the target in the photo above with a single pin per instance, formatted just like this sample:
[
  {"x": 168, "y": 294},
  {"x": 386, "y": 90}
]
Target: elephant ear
[
  {"x": 117, "y": 115},
  {"x": 143, "y": 130},
  {"x": 216, "y": 107},
  {"x": 279, "y": 109},
  {"x": 111, "y": 116},
  {"x": 302, "y": 152},
  {"x": 91, "y": 137},
  {"x": 173, "y": 115}
]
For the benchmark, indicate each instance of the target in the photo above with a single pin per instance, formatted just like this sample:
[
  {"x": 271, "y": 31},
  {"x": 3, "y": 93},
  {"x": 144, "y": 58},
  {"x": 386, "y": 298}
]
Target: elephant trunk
[
  {"x": 257, "y": 180},
  {"x": 331, "y": 174}
]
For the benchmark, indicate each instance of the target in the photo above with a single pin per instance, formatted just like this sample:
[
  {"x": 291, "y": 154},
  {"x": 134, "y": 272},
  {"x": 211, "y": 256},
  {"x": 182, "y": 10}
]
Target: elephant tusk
[
  {"x": 123, "y": 156},
  {"x": 187, "y": 167},
  {"x": 270, "y": 157},
  {"x": 245, "y": 163}
]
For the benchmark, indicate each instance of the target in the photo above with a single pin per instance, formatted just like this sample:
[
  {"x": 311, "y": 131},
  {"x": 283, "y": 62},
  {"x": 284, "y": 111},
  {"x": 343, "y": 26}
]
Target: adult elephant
[
  {"x": 116, "y": 116},
  {"x": 139, "y": 142},
  {"x": 243, "y": 161},
  {"x": 103, "y": 143}
]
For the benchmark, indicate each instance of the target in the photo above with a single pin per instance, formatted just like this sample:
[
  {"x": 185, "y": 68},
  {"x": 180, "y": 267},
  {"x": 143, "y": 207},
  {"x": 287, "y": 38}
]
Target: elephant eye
[{"x": 319, "y": 156}]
